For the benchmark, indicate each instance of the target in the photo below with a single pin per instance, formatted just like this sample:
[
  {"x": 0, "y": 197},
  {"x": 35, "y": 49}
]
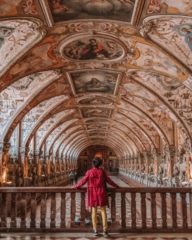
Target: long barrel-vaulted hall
[{"x": 86, "y": 78}]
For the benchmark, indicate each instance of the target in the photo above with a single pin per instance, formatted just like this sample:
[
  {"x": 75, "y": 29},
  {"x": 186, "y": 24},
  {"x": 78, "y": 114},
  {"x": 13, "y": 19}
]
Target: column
[
  {"x": 172, "y": 160},
  {"x": 146, "y": 164},
  {"x": 1, "y": 158},
  {"x": 20, "y": 144}
]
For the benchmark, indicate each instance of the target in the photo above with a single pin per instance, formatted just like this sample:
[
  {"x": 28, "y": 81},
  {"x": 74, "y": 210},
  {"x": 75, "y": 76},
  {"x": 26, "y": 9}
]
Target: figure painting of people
[{"x": 93, "y": 48}]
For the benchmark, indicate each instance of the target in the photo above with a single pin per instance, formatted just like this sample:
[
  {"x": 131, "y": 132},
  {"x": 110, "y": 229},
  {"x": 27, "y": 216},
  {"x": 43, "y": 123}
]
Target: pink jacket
[{"x": 96, "y": 189}]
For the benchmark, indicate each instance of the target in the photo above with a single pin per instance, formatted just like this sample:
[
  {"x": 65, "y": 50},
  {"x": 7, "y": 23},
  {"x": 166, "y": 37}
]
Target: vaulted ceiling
[{"x": 75, "y": 73}]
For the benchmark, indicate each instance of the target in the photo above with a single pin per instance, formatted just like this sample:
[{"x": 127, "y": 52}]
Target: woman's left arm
[{"x": 82, "y": 181}]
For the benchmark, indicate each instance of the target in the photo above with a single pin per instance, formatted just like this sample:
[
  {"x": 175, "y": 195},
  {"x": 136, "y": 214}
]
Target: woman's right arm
[{"x": 108, "y": 180}]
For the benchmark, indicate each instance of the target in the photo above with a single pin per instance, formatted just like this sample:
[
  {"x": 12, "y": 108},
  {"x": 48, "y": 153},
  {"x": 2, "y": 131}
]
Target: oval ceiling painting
[{"x": 93, "y": 48}]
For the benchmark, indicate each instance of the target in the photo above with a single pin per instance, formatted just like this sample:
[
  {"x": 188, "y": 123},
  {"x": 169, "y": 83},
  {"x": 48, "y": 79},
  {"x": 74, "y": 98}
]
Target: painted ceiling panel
[
  {"x": 77, "y": 138},
  {"x": 131, "y": 122},
  {"x": 32, "y": 116},
  {"x": 66, "y": 137},
  {"x": 16, "y": 95},
  {"x": 57, "y": 131},
  {"x": 74, "y": 129},
  {"x": 88, "y": 9},
  {"x": 175, "y": 7},
  {"x": 150, "y": 57},
  {"x": 47, "y": 125},
  {"x": 132, "y": 135},
  {"x": 16, "y": 37},
  {"x": 170, "y": 90},
  {"x": 173, "y": 33},
  {"x": 13, "y": 8}
]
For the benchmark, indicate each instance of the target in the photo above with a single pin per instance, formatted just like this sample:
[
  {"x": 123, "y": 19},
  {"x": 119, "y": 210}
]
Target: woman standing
[{"x": 97, "y": 195}]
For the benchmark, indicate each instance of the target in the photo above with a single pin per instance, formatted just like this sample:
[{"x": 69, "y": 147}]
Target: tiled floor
[{"x": 86, "y": 236}]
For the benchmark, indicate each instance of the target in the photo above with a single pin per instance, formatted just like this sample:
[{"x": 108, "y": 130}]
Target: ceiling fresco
[
  {"x": 32, "y": 116},
  {"x": 173, "y": 34},
  {"x": 176, "y": 7},
  {"x": 98, "y": 112},
  {"x": 15, "y": 96},
  {"x": 16, "y": 37},
  {"x": 94, "y": 81},
  {"x": 93, "y": 48},
  {"x": 81, "y": 72},
  {"x": 63, "y": 10},
  {"x": 16, "y": 7}
]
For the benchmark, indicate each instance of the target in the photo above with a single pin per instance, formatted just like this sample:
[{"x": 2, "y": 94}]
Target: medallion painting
[
  {"x": 94, "y": 81},
  {"x": 93, "y": 48},
  {"x": 63, "y": 10}
]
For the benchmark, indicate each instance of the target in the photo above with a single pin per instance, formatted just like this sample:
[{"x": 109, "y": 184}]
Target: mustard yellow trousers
[{"x": 103, "y": 215}]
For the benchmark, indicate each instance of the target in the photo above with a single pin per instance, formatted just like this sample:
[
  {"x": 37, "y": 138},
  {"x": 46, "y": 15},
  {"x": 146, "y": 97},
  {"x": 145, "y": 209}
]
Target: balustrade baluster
[
  {"x": 8, "y": 204},
  {"x": 143, "y": 210},
  {"x": 174, "y": 209},
  {"x": 33, "y": 210},
  {"x": 123, "y": 210},
  {"x": 82, "y": 209},
  {"x": 153, "y": 210},
  {"x": 43, "y": 210},
  {"x": 73, "y": 207},
  {"x": 1, "y": 207},
  {"x": 184, "y": 210},
  {"x": 53, "y": 210},
  {"x": 133, "y": 210},
  {"x": 164, "y": 210},
  {"x": 13, "y": 210},
  {"x": 23, "y": 210},
  {"x": 113, "y": 207},
  {"x": 3, "y": 210},
  {"x": 190, "y": 204},
  {"x": 63, "y": 210}
]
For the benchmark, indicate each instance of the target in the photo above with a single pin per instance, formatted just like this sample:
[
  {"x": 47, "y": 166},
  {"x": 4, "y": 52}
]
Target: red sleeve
[
  {"x": 108, "y": 180},
  {"x": 82, "y": 181}
]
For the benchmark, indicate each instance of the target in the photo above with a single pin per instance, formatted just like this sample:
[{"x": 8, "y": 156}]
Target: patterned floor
[{"x": 86, "y": 236}]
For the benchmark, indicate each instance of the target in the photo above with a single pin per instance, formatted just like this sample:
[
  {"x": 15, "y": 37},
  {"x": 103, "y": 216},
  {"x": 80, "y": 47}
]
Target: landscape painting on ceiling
[
  {"x": 96, "y": 101},
  {"x": 94, "y": 81},
  {"x": 97, "y": 126},
  {"x": 99, "y": 112},
  {"x": 63, "y": 10},
  {"x": 93, "y": 48}
]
